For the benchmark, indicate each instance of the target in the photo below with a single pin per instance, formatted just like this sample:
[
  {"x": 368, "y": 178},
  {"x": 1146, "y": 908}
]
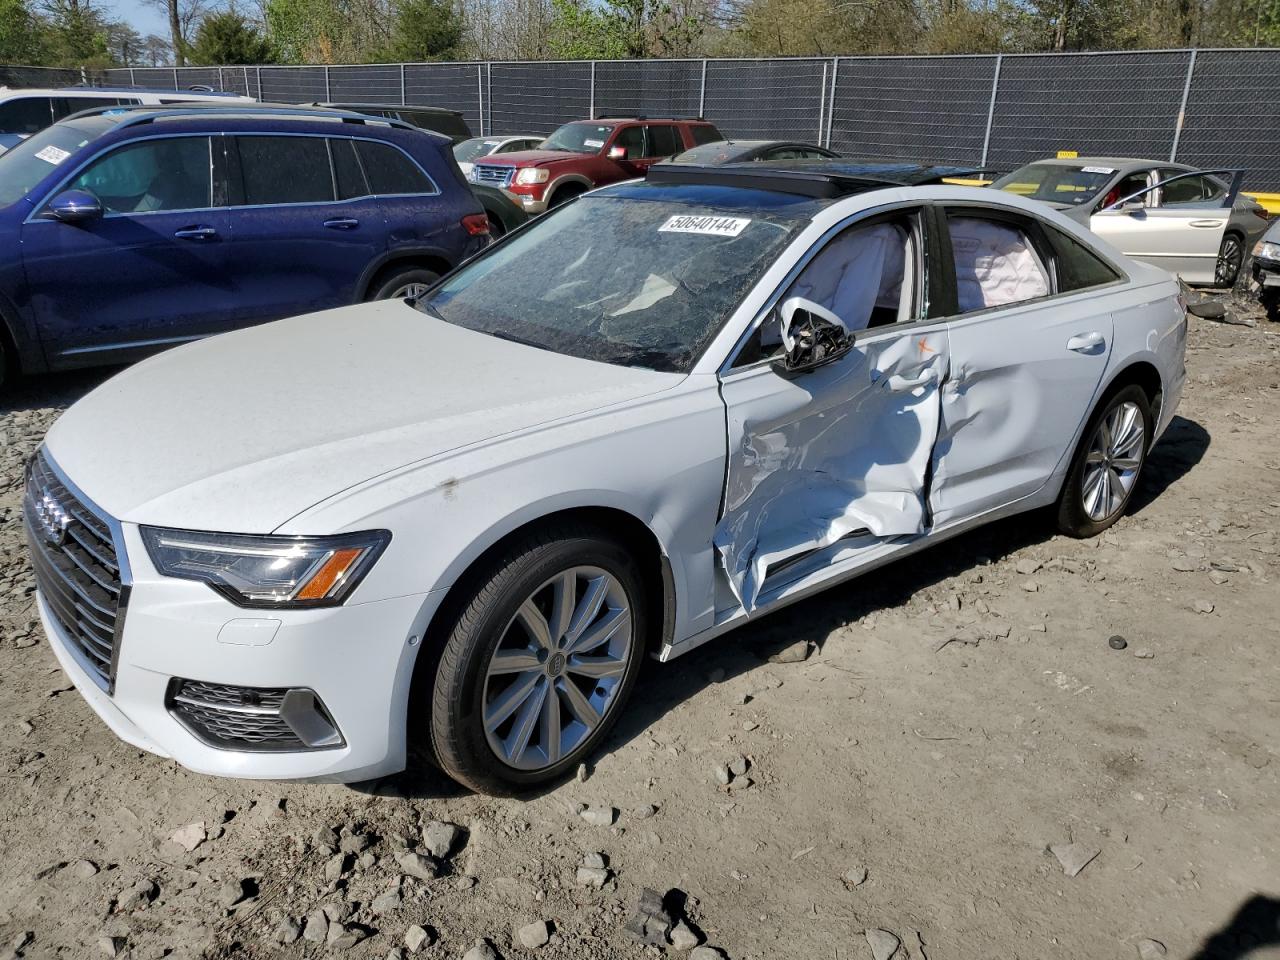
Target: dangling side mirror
[{"x": 811, "y": 336}]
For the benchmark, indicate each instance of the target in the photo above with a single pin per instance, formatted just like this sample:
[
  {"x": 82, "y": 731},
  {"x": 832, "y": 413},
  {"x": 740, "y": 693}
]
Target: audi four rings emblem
[{"x": 53, "y": 519}]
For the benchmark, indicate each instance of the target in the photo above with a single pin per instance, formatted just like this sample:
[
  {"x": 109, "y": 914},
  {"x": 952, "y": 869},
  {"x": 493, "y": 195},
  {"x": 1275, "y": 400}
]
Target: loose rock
[
  {"x": 855, "y": 876},
  {"x": 388, "y": 902},
  {"x": 416, "y": 937},
  {"x": 1151, "y": 949},
  {"x": 682, "y": 936},
  {"x": 190, "y": 836},
  {"x": 883, "y": 943},
  {"x": 534, "y": 935},
  {"x": 441, "y": 839},
  {"x": 416, "y": 865},
  {"x": 316, "y": 927},
  {"x": 599, "y": 816},
  {"x": 286, "y": 931},
  {"x": 483, "y": 950},
  {"x": 1074, "y": 857},
  {"x": 797, "y": 652},
  {"x": 341, "y": 937},
  {"x": 1117, "y": 642}
]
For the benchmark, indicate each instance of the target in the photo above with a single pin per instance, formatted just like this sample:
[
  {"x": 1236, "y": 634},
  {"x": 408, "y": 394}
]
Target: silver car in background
[{"x": 1193, "y": 223}]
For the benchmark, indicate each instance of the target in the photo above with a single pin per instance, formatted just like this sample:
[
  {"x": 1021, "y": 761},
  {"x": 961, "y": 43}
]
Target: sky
[{"x": 141, "y": 16}]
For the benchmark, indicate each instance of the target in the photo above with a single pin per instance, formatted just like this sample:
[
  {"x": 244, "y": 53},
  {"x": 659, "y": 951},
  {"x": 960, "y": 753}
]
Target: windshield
[
  {"x": 638, "y": 283},
  {"x": 26, "y": 164},
  {"x": 1056, "y": 183},
  {"x": 579, "y": 138},
  {"x": 469, "y": 150}
]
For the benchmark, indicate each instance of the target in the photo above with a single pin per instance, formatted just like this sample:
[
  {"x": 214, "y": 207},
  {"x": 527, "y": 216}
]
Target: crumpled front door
[{"x": 840, "y": 451}]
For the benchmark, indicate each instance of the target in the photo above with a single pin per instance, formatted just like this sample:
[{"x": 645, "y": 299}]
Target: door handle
[
  {"x": 342, "y": 223},
  {"x": 1206, "y": 223},
  {"x": 196, "y": 233},
  {"x": 1087, "y": 342}
]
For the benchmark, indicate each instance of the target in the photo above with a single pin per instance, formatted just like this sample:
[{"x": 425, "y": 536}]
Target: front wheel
[
  {"x": 407, "y": 284},
  {"x": 1230, "y": 258},
  {"x": 541, "y": 660},
  {"x": 1107, "y": 464}
]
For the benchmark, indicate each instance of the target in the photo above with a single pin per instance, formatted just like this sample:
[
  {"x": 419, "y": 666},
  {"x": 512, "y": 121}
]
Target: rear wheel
[
  {"x": 539, "y": 663},
  {"x": 1230, "y": 258},
  {"x": 1107, "y": 464},
  {"x": 404, "y": 283},
  {"x": 496, "y": 229}
]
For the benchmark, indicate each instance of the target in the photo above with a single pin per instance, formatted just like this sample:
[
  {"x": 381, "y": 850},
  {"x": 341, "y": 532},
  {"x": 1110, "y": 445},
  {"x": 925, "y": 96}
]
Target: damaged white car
[{"x": 669, "y": 407}]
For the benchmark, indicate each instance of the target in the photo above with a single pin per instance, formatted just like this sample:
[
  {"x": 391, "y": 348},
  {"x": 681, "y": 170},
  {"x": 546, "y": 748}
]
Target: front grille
[
  {"x": 252, "y": 718},
  {"x": 494, "y": 175},
  {"x": 77, "y": 568}
]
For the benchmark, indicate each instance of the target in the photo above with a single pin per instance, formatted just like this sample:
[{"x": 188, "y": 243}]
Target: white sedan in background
[
  {"x": 477, "y": 148},
  {"x": 1193, "y": 223},
  {"x": 661, "y": 411}
]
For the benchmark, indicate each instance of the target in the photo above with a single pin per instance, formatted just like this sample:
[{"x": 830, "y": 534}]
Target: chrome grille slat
[
  {"x": 231, "y": 717},
  {"x": 79, "y": 574},
  {"x": 494, "y": 175}
]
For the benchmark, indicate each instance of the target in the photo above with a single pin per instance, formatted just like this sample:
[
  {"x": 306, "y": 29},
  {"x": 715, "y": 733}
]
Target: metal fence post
[
  {"x": 831, "y": 104},
  {"x": 488, "y": 91},
  {"x": 702, "y": 91},
  {"x": 175, "y": 78},
  {"x": 258, "y": 77},
  {"x": 480, "y": 94},
  {"x": 1182, "y": 108},
  {"x": 328, "y": 94},
  {"x": 822, "y": 102},
  {"x": 591, "y": 96},
  {"x": 991, "y": 109},
  {"x": 133, "y": 79},
  {"x": 404, "y": 92}
]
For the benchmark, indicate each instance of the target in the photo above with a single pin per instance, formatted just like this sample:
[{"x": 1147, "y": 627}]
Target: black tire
[
  {"x": 565, "y": 194},
  {"x": 496, "y": 229},
  {"x": 1230, "y": 259},
  {"x": 459, "y": 745},
  {"x": 1073, "y": 516},
  {"x": 386, "y": 286},
  {"x": 1271, "y": 304}
]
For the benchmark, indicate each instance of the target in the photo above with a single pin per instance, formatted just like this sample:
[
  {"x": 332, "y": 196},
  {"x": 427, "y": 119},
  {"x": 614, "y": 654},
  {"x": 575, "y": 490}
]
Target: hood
[
  {"x": 243, "y": 431},
  {"x": 531, "y": 158}
]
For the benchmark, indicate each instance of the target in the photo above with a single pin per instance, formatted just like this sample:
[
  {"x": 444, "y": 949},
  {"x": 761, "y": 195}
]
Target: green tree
[
  {"x": 227, "y": 38},
  {"x": 77, "y": 34},
  {"x": 580, "y": 31},
  {"x": 22, "y": 34},
  {"x": 424, "y": 30}
]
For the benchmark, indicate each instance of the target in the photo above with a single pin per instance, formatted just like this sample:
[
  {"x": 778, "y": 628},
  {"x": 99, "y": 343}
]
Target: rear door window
[
  {"x": 146, "y": 176},
  {"x": 390, "y": 171},
  {"x": 347, "y": 174},
  {"x": 1079, "y": 268},
  {"x": 283, "y": 170},
  {"x": 664, "y": 140},
  {"x": 25, "y": 115},
  {"x": 1196, "y": 190},
  {"x": 996, "y": 263}
]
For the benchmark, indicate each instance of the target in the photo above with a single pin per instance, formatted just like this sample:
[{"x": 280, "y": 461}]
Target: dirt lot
[{"x": 942, "y": 770}]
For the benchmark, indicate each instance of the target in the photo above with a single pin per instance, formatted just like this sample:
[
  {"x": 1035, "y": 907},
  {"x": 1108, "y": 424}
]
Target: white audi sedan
[{"x": 457, "y": 526}]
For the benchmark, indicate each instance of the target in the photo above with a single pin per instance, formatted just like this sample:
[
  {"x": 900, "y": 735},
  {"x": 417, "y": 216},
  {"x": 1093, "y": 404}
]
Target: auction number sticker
[
  {"x": 712, "y": 226},
  {"x": 1098, "y": 169},
  {"x": 595, "y": 144},
  {"x": 52, "y": 154}
]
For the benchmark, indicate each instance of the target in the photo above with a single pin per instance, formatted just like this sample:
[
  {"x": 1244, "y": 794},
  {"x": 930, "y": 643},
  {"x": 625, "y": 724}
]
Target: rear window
[
  {"x": 704, "y": 133},
  {"x": 451, "y": 125},
  {"x": 284, "y": 170},
  {"x": 25, "y": 115},
  {"x": 1078, "y": 267},
  {"x": 346, "y": 170},
  {"x": 390, "y": 171},
  {"x": 664, "y": 141}
]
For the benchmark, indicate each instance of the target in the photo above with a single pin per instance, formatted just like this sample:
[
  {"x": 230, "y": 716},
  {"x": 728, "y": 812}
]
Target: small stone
[
  {"x": 749, "y": 725},
  {"x": 592, "y": 877},
  {"x": 1149, "y": 949},
  {"x": 286, "y": 931},
  {"x": 1185, "y": 565},
  {"x": 353, "y": 843},
  {"x": 416, "y": 937},
  {"x": 190, "y": 836},
  {"x": 110, "y": 946},
  {"x": 738, "y": 766},
  {"x": 416, "y": 865},
  {"x": 230, "y": 893},
  {"x": 84, "y": 869},
  {"x": 1074, "y": 857},
  {"x": 137, "y": 896},
  {"x": 335, "y": 867},
  {"x": 682, "y": 936},
  {"x": 315, "y": 927},
  {"x": 1031, "y": 587},
  {"x": 367, "y": 860},
  {"x": 1142, "y": 653},
  {"x": 582, "y": 773},
  {"x": 339, "y": 911},
  {"x": 721, "y": 772},
  {"x": 342, "y": 937},
  {"x": 797, "y": 652},
  {"x": 883, "y": 943},
  {"x": 388, "y": 902},
  {"x": 441, "y": 839},
  {"x": 1202, "y": 606},
  {"x": 1218, "y": 577},
  {"x": 483, "y": 950},
  {"x": 596, "y": 861},
  {"x": 855, "y": 876},
  {"x": 1027, "y": 566},
  {"x": 395, "y": 953},
  {"x": 534, "y": 935},
  {"x": 644, "y": 812},
  {"x": 1117, "y": 642},
  {"x": 706, "y": 953},
  {"x": 741, "y": 783},
  {"x": 326, "y": 838},
  {"x": 599, "y": 816},
  {"x": 465, "y": 883}
]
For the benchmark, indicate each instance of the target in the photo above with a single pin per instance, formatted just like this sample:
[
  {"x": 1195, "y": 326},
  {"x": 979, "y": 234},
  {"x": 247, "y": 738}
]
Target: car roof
[
  {"x": 111, "y": 92},
  {"x": 351, "y": 105},
  {"x": 132, "y": 115},
  {"x": 884, "y": 171},
  {"x": 1120, "y": 163}
]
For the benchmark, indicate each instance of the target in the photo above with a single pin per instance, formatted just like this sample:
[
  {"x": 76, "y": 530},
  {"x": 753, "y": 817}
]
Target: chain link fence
[{"x": 1211, "y": 108}]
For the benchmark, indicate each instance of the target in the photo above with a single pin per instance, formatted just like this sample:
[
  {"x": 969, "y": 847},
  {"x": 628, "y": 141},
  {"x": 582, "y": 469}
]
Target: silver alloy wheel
[
  {"x": 557, "y": 669},
  {"x": 1114, "y": 459},
  {"x": 1229, "y": 256},
  {"x": 410, "y": 291}
]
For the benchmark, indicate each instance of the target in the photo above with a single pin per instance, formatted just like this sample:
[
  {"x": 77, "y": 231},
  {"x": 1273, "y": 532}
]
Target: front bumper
[
  {"x": 530, "y": 205},
  {"x": 357, "y": 659}
]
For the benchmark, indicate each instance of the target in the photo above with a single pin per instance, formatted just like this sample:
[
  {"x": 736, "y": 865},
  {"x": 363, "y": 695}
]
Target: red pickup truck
[{"x": 586, "y": 154}]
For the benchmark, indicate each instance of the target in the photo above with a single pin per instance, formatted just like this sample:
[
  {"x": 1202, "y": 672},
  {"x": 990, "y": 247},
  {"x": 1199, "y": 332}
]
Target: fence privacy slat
[{"x": 998, "y": 111}]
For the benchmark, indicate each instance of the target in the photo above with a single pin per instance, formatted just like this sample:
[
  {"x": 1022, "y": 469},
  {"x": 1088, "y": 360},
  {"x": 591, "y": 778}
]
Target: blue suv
[{"x": 126, "y": 230}]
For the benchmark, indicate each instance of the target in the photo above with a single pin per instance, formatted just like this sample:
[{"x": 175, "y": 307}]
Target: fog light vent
[{"x": 259, "y": 719}]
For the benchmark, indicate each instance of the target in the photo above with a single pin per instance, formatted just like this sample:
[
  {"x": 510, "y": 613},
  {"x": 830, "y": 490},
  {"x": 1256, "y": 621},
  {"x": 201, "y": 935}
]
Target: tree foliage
[{"x": 227, "y": 38}]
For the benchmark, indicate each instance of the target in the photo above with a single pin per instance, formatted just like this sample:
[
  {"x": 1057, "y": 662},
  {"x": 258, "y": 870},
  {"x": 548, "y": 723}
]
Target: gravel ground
[{"x": 888, "y": 790}]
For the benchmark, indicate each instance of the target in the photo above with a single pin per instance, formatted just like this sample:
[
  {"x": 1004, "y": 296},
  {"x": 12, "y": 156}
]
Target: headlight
[
  {"x": 533, "y": 175},
  {"x": 1267, "y": 250},
  {"x": 268, "y": 571}
]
